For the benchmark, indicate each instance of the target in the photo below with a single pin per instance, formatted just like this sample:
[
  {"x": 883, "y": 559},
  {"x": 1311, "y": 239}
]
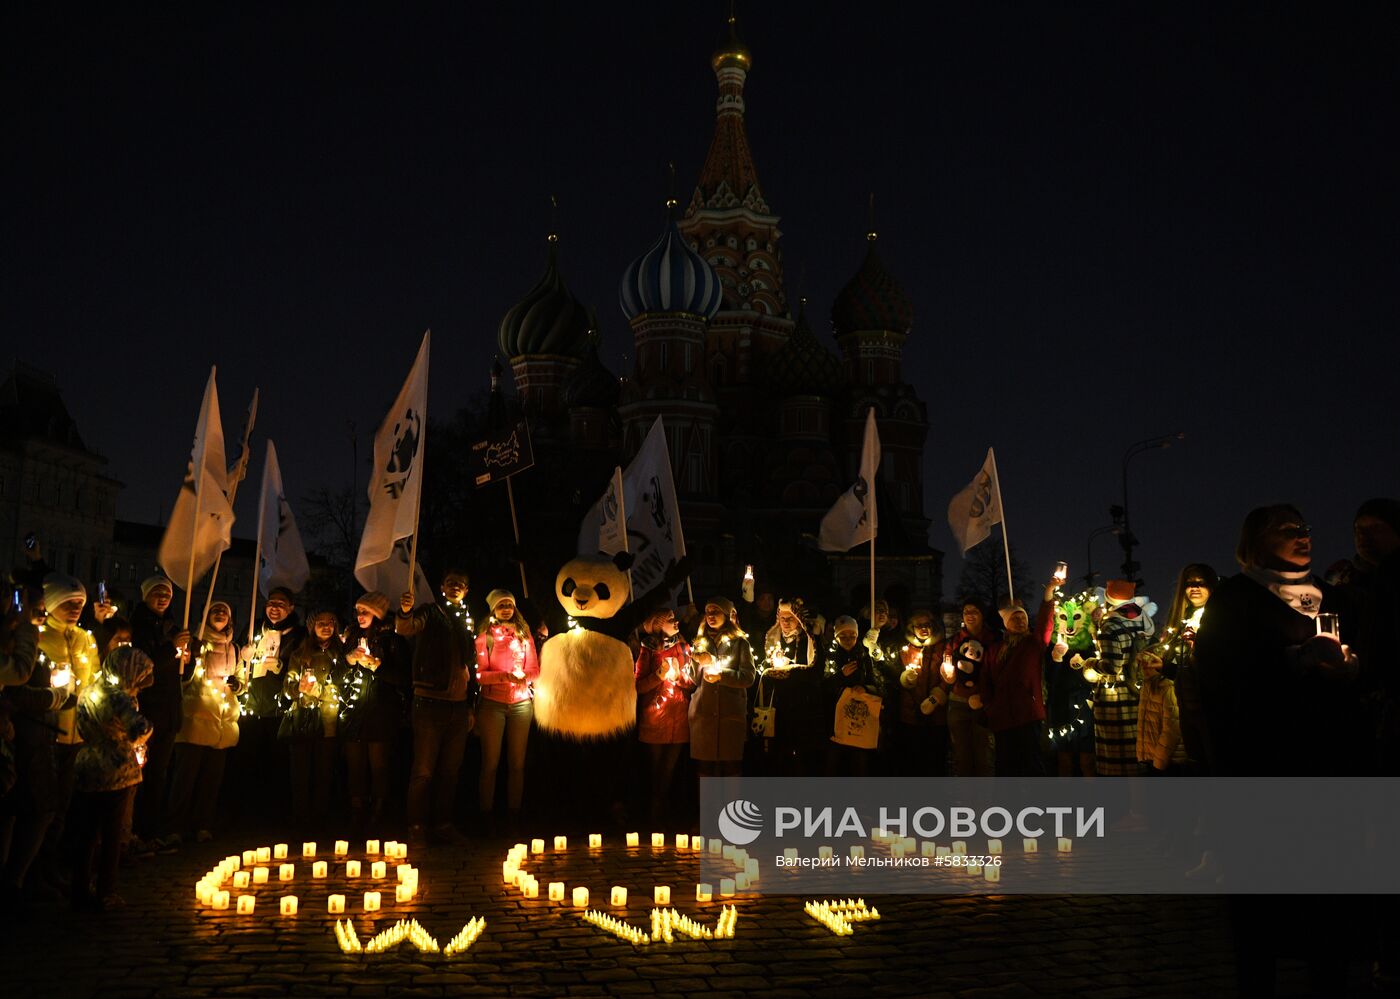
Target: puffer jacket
[
  {"x": 499, "y": 652},
  {"x": 111, "y": 724},
  {"x": 1159, "y": 724},
  {"x": 211, "y": 709},
  {"x": 59, "y": 643},
  {"x": 313, "y": 712}
]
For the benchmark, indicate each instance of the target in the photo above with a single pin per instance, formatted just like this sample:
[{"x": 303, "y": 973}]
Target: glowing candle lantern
[
  {"x": 285, "y": 872},
  {"x": 264, "y": 854},
  {"x": 619, "y": 895},
  {"x": 703, "y": 892},
  {"x": 242, "y": 879},
  {"x": 403, "y": 893},
  {"x": 658, "y": 840},
  {"x": 530, "y": 890},
  {"x": 633, "y": 839},
  {"x": 250, "y": 857},
  {"x": 991, "y": 873},
  {"x": 716, "y": 846},
  {"x": 335, "y": 904},
  {"x": 595, "y": 841},
  {"x": 204, "y": 891},
  {"x": 697, "y": 842},
  {"x": 790, "y": 853},
  {"x": 342, "y": 847},
  {"x": 682, "y": 841},
  {"x": 1030, "y": 845},
  {"x": 580, "y": 898},
  {"x": 233, "y": 862},
  {"x": 352, "y": 868},
  {"x": 751, "y": 867},
  {"x": 279, "y": 851},
  {"x": 522, "y": 878},
  {"x": 378, "y": 869},
  {"x": 942, "y": 851},
  {"x": 391, "y": 849},
  {"x": 994, "y": 847},
  {"x": 401, "y": 873},
  {"x": 371, "y": 901},
  {"x": 245, "y": 905},
  {"x": 556, "y": 891},
  {"x": 259, "y": 875},
  {"x": 661, "y": 894},
  {"x": 857, "y": 852},
  {"x": 1063, "y": 845},
  {"x": 741, "y": 882},
  {"x": 897, "y": 850},
  {"x": 561, "y": 842},
  {"x": 726, "y": 887},
  {"x": 319, "y": 869},
  {"x": 824, "y": 852},
  {"x": 537, "y": 846},
  {"x": 288, "y": 905},
  {"x": 372, "y": 847},
  {"x": 741, "y": 857},
  {"x": 928, "y": 848},
  {"x": 308, "y": 850},
  {"x": 959, "y": 848},
  {"x": 508, "y": 870},
  {"x": 219, "y": 900},
  {"x": 728, "y": 852}
]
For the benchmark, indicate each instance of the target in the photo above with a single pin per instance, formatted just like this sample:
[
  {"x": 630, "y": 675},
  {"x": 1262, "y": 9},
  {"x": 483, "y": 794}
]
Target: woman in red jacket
[
  {"x": 1011, "y": 688},
  {"x": 506, "y": 666},
  {"x": 664, "y": 684}
]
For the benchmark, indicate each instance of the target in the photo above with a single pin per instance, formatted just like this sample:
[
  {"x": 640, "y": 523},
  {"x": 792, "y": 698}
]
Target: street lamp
[
  {"x": 1089, "y": 572},
  {"x": 1126, "y": 538}
]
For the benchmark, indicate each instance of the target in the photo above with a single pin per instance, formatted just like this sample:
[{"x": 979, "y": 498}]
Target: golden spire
[
  {"x": 871, "y": 234},
  {"x": 553, "y": 219},
  {"x": 732, "y": 52}
]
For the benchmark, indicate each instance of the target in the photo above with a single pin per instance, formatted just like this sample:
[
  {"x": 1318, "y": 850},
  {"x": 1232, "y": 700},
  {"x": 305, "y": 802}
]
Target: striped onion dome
[
  {"x": 670, "y": 277},
  {"x": 548, "y": 320},
  {"x": 872, "y": 300}
]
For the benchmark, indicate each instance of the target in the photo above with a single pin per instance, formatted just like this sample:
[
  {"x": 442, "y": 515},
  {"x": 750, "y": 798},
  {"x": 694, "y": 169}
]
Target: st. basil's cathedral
[{"x": 763, "y": 421}]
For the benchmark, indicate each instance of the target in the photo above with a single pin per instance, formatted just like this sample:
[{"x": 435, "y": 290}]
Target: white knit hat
[{"x": 60, "y": 588}]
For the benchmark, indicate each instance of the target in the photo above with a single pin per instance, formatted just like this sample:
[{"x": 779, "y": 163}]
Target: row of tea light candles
[
  {"x": 392, "y": 850},
  {"x": 209, "y": 891},
  {"x": 512, "y": 874}
]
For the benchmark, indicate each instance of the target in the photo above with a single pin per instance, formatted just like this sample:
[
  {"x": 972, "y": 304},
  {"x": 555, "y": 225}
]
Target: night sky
[{"x": 1114, "y": 221}]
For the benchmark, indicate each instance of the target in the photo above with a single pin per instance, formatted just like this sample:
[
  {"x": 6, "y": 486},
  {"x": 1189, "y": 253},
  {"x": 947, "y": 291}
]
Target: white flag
[
  {"x": 977, "y": 507},
  {"x": 238, "y": 471},
  {"x": 653, "y": 527},
  {"x": 612, "y": 531},
  {"x": 281, "y": 556},
  {"x": 853, "y": 518},
  {"x": 395, "y": 486},
  {"x": 201, "y": 523}
]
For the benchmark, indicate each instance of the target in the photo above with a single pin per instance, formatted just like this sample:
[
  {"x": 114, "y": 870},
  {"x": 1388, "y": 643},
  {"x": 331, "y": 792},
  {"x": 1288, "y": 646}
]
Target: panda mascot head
[{"x": 586, "y": 688}]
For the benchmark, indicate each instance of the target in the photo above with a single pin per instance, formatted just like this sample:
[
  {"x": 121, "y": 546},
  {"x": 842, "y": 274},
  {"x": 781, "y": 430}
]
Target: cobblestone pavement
[{"x": 165, "y": 944}]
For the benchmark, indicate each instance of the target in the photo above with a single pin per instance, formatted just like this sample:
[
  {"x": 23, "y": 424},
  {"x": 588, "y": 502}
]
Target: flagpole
[
  {"x": 194, "y": 539},
  {"x": 1005, "y": 544},
  {"x": 515, "y": 526},
  {"x": 257, "y": 551},
  {"x": 622, "y": 522},
  {"x": 417, "y": 511}
]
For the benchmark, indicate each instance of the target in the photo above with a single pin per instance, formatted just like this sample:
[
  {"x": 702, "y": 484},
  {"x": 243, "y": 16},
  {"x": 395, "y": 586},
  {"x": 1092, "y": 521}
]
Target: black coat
[{"x": 152, "y": 633}]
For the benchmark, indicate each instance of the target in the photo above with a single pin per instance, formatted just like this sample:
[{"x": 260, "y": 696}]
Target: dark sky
[{"x": 1114, "y": 221}]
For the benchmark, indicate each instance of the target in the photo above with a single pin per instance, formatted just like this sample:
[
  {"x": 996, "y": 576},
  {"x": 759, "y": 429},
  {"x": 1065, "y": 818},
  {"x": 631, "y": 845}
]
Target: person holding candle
[
  {"x": 444, "y": 694},
  {"x": 920, "y": 735},
  {"x": 1012, "y": 691},
  {"x": 157, "y": 632},
  {"x": 506, "y": 666},
  {"x": 313, "y": 711},
  {"x": 848, "y": 667},
  {"x": 373, "y": 682},
  {"x": 792, "y": 678},
  {"x": 961, "y": 691},
  {"x": 260, "y": 760},
  {"x": 209, "y": 729},
  {"x": 1176, "y": 646},
  {"x": 719, "y": 707},
  {"x": 107, "y": 772},
  {"x": 665, "y": 682}
]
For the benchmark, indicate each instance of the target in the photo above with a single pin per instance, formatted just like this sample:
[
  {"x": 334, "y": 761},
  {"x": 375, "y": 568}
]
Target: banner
[
  {"x": 654, "y": 535},
  {"x": 502, "y": 453},
  {"x": 201, "y": 523},
  {"x": 395, "y": 488},
  {"x": 977, "y": 507},
  {"x": 282, "y": 558},
  {"x": 854, "y": 519}
]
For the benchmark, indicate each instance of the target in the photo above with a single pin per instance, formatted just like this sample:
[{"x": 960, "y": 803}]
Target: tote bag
[{"x": 857, "y": 720}]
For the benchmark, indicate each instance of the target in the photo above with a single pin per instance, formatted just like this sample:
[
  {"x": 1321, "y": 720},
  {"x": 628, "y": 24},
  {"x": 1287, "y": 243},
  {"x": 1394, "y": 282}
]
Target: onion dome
[
  {"x": 670, "y": 277},
  {"x": 803, "y": 366},
  {"x": 591, "y": 384},
  {"x": 548, "y": 320},
  {"x": 872, "y": 300},
  {"x": 732, "y": 52}
]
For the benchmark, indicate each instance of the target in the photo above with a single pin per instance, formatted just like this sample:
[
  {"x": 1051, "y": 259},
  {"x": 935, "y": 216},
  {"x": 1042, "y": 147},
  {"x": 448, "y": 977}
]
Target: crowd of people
[{"x": 127, "y": 735}]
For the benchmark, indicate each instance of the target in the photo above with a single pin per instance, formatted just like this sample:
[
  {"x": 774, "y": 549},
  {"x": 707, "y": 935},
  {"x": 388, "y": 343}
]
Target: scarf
[{"x": 1293, "y": 587}]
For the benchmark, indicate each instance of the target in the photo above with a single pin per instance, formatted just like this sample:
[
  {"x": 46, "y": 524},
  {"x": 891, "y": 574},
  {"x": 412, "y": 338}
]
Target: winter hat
[
  {"x": 845, "y": 623},
  {"x": 1383, "y": 508},
  {"x": 59, "y": 589},
  {"x": 723, "y": 603},
  {"x": 1120, "y": 591},
  {"x": 496, "y": 596},
  {"x": 151, "y": 582},
  {"x": 223, "y": 604},
  {"x": 1008, "y": 607},
  {"x": 374, "y": 602},
  {"x": 131, "y": 668}
]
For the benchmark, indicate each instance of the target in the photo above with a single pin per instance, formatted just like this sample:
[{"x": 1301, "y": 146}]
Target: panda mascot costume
[{"x": 586, "y": 694}]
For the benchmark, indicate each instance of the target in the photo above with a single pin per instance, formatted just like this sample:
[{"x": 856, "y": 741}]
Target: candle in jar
[
  {"x": 634, "y": 839},
  {"x": 994, "y": 847},
  {"x": 661, "y": 894},
  {"x": 927, "y": 848},
  {"x": 319, "y": 869},
  {"x": 556, "y": 891},
  {"x": 1030, "y": 845},
  {"x": 726, "y": 887},
  {"x": 959, "y": 848},
  {"x": 401, "y": 873},
  {"x": 1063, "y": 844},
  {"x": 741, "y": 882},
  {"x": 352, "y": 868},
  {"x": 219, "y": 900},
  {"x": 790, "y": 853},
  {"x": 264, "y": 854},
  {"x": 204, "y": 891},
  {"x": 241, "y": 879},
  {"x": 704, "y": 892},
  {"x": 245, "y": 904},
  {"x": 991, "y": 873},
  {"x": 279, "y": 851},
  {"x": 727, "y": 851},
  {"x": 658, "y": 840},
  {"x": 342, "y": 847},
  {"x": 288, "y": 905},
  {"x": 824, "y": 852},
  {"x": 308, "y": 850},
  {"x": 371, "y": 846},
  {"x": 741, "y": 857},
  {"x": 595, "y": 841},
  {"x": 857, "y": 852},
  {"x": 618, "y": 895},
  {"x": 378, "y": 869},
  {"x": 250, "y": 857},
  {"x": 371, "y": 901},
  {"x": 716, "y": 846},
  {"x": 537, "y": 846},
  {"x": 335, "y": 904},
  {"x": 285, "y": 872},
  {"x": 259, "y": 875},
  {"x": 897, "y": 850},
  {"x": 531, "y": 889},
  {"x": 403, "y": 893},
  {"x": 751, "y": 867},
  {"x": 682, "y": 841},
  {"x": 942, "y": 851},
  {"x": 561, "y": 842},
  {"x": 508, "y": 870},
  {"x": 580, "y": 898}
]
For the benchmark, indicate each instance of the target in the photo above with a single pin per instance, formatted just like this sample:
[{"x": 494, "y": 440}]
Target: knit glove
[
  {"x": 939, "y": 696},
  {"x": 928, "y": 706},
  {"x": 909, "y": 678},
  {"x": 975, "y": 702}
]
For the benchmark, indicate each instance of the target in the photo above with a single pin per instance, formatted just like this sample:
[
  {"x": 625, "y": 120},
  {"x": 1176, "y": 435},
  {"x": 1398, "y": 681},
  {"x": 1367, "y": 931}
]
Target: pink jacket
[
  {"x": 499, "y": 652},
  {"x": 663, "y": 705}
]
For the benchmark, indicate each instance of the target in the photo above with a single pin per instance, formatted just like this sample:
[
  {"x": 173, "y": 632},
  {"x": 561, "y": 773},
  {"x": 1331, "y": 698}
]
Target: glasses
[{"x": 1295, "y": 531}]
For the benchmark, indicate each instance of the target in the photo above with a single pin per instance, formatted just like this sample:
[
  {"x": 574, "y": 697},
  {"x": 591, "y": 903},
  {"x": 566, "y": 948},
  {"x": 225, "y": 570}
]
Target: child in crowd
[
  {"x": 313, "y": 709},
  {"x": 209, "y": 728}
]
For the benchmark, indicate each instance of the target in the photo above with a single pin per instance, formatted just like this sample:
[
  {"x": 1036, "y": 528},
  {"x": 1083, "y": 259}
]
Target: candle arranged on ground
[
  {"x": 531, "y": 889},
  {"x": 658, "y": 840},
  {"x": 928, "y": 848},
  {"x": 279, "y": 851},
  {"x": 403, "y": 893},
  {"x": 371, "y": 901},
  {"x": 371, "y": 846},
  {"x": 288, "y": 905},
  {"x": 250, "y": 857},
  {"x": 857, "y": 852},
  {"x": 335, "y": 904},
  {"x": 633, "y": 839},
  {"x": 1063, "y": 844},
  {"x": 959, "y": 848},
  {"x": 219, "y": 900},
  {"x": 1030, "y": 845},
  {"x": 726, "y": 887},
  {"x": 994, "y": 847},
  {"x": 342, "y": 847},
  {"x": 580, "y": 898},
  {"x": 259, "y": 875},
  {"x": 716, "y": 846},
  {"x": 308, "y": 850},
  {"x": 285, "y": 872},
  {"x": 742, "y": 882},
  {"x": 824, "y": 852},
  {"x": 790, "y": 852},
  {"x": 241, "y": 879},
  {"x": 245, "y": 904},
  {"x": 992, "y": 873},
  {"x": 618, "y": 895},
  {"x": 682, "y": 841},
  {"x": 595, "y": 841},
  {"x": 556, "y": 891},
  {"x": 319, "y": 869},
  {"x": 704, "y": 892},
  {"x": 561, "y": 842},
  {"x": 661, "y": 894},
  {"x": 264, "y": 854},
  {"x": 751, "y": 867},
  {"x": 727, "y": 851},
  {"x": 537, "y": 846}
]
